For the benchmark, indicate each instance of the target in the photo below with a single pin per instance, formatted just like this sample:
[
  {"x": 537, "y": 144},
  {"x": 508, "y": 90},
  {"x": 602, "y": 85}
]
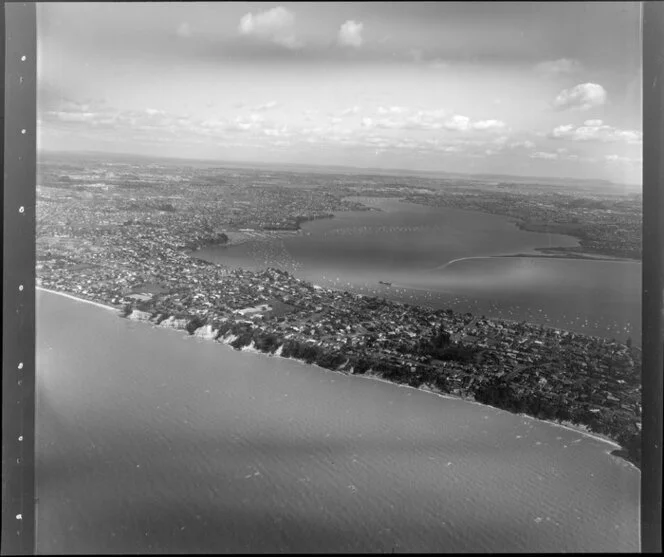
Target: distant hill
[{"x": 335, "y": 169}]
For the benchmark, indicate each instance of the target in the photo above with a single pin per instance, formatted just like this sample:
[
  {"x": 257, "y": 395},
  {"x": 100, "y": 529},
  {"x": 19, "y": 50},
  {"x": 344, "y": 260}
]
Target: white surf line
[
  {"x": 72, "y": 297},
  {"x": 370, "y": 376},
  {"x": 579, "y": 429},
  {"x": 576, "y": 428}
]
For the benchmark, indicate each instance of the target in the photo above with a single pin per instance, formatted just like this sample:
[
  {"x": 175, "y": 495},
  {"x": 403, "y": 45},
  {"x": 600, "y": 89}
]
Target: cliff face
[
  {"x": 206, "y": 331},
  {"x": 173, "y": 323},
  {"x": 138, "y": 315}
]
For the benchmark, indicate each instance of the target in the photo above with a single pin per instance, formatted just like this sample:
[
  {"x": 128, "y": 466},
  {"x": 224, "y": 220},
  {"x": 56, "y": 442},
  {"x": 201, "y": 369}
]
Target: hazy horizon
[
  {"x": 549, "y": 90},
  {"x": 338, "y": 167}
]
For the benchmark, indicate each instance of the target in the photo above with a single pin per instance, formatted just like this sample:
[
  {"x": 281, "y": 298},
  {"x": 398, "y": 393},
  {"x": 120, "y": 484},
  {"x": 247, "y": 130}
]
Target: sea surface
[
  {"x": 152, "y": 441},
  {"x": 447, "y": 258}
]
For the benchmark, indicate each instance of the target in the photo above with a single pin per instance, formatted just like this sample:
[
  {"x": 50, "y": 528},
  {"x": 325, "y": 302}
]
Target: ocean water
[
  {"x": 446, "y": 258},
  {"x": 152, "y": 441}
]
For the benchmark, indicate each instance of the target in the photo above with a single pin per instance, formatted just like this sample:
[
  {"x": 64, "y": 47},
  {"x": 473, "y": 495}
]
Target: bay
[
  {"x": 451, "y": 258},
  {"x": 152, "y": 441}
]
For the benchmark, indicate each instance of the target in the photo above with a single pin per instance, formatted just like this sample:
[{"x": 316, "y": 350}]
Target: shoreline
[
  {"x": 369, "y": 375},
  {"x": 614, "y": 450},
  {"x": 573, "y": 256},
  {"x": 372, "y": 376},
  {"x": 497, "y": 319},
  {"x": 78, "y": 299},
  {"x": 542, "y": 254},
  {"x": 561, "y": 252}
]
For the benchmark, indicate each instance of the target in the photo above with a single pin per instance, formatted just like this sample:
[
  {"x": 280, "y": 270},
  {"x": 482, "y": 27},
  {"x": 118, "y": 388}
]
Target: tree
[{"x": 195, "y": 323}]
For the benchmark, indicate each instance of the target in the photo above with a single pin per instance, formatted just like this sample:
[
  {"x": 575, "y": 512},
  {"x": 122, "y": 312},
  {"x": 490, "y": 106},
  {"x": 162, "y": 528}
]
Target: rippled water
[
  {"x": 152, "y": 441},
  {"x": 443, "y": 258}
]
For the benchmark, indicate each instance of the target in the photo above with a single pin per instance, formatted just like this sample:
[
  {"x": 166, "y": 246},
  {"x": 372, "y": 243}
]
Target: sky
[{"x": 523, "y": 88}]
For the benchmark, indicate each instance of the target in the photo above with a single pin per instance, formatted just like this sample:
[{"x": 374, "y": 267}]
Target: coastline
[
  {"x": 614, "y": 450},
  {"x": 552, "y": 252},
  {"x": 78, "y": 299},
  {"x": 543, "y": 253},
  {"x": 373, "y": 376}
]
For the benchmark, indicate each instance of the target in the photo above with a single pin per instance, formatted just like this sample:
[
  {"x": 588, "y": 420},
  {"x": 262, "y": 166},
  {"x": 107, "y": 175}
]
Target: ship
[{"x": 385, "y": 283}]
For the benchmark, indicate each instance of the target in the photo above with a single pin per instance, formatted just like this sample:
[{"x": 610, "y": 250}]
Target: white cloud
[
  {"x": 543, "y": 155},
  {"x": 350, "y": 34},
  {"x": 458, "y": 122},
  {"x": 452, "y": 149},
  {"x": 623, "y": 160},
  {"x": 275, "y": 25},
  {"x": 183, "y": 30},
  {"x": 596, "y": 130},
  {"x": 558, "y": 67},
  {"x": 281, "y": 131},
  {"x": 247, "y": 123},
  {"x": 391, "y": 110},
  {"x": 65, "y": 116},
  {"x": 309, "y": 114},
  {"x": 264, "y": 106},
  {"x": 488, "y": 125},
  {"x": 349, "y": 111},
  {"x": 397, "y": 117},
  {"x": 580, "y": 97},
  {"x": 526, "y": 144},
  {"x": 462, "y": 123}
]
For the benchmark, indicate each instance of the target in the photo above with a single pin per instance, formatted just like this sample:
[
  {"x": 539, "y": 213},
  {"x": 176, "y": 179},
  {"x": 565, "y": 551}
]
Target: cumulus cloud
[
  {"x": 458, "y": 122},
  {"x": 597, "y": 131},
  {"x": 350, "y": 34},
  {"x": 488, "y": 125},
  {"x": 526, "y": 144},
  {"x": 101, "y": 118},
  {"x": 558, "y": 67},
  {"x": 543, "y": 155},
  {"x": 463, "y": 123},
  {"x": 560, "y": 154},
  {"x": 391, "y": 110},
  {"x": 64, "y": 116},
  {"x": 246, "y": 123},
  {"x": 350, "y": 111},
  {"x": 580, "y": 97},
  {"x": 274, "y": 25},
  {"x": 396, "y": 117},
  {"x": 309, "y": 114},
  {"x": 264, "y": 106},
  {"x": 281, "y": 131},
  {"x": 623, "y": 160}
]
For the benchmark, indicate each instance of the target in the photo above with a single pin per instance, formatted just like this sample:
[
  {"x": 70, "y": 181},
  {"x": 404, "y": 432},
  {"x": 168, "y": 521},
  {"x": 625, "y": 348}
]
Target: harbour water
[
  {"x": 449, "y": 258},
  {"x": 152, "y": 441}
]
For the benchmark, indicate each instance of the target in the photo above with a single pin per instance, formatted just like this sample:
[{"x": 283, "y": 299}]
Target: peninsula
[{"x": 126, "y": 244}]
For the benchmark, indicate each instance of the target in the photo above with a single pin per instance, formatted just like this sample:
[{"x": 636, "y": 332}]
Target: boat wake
[{"x": 445, "y": 265}]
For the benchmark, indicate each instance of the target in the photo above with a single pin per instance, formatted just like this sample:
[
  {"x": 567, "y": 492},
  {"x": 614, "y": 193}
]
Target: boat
[{"x": 385, "y": 283}]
